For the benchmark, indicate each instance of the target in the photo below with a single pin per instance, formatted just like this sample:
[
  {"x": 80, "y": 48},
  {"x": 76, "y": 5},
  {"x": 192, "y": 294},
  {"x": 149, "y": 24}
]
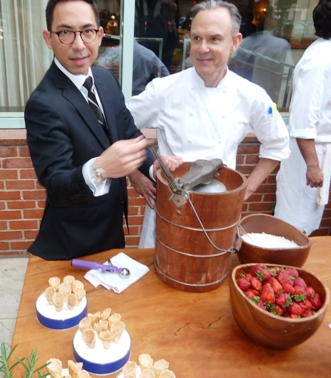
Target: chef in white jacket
[
  {"x": 303, "y": 180},
  {"x": 204, "y": 112}
]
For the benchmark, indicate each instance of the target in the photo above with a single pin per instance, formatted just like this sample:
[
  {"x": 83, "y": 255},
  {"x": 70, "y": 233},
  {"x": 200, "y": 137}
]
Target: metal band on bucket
[{"x": 188, "y": 284}]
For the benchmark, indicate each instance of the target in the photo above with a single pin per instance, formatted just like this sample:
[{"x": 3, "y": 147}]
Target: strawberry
[
  {"x": 306, "y": 313},
  {"x": 299, "y": 290},
  {"x": 243, "y": 284},
  {"x": 250, "y": 294},
  {"x": 310, "y": 292},
  {"x": 256, "y": 284},
  {"x": 248, "y": 276},
  {"x": 293, "y": 272},
  {"x": 300, "y": 282},
  {"x": 261, "y": 305},
  {"x": 295, "y": 309},
  {"x": 305, "y": 305},
  {"x": 283, "y": 300},
  {"x": 255, "y": 268},
  {"x": 278, "y": 310},
  {"x": 283, "y": 277},
  {"x": 316, "y": 302},
  {"x": 276, "y": 286},
  {"x": 253, "y": 291},
  {"x": 267, "y": 294},
  {"x": 288, "y": 288}
]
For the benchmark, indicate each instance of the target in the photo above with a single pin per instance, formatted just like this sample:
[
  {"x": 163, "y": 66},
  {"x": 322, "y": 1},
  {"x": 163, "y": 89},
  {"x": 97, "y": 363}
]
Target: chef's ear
[{"x": 236, "y": 41}]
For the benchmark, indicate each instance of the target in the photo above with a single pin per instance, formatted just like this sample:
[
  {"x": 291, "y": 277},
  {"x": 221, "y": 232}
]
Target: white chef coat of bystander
[{"x": 310, "y": 118}]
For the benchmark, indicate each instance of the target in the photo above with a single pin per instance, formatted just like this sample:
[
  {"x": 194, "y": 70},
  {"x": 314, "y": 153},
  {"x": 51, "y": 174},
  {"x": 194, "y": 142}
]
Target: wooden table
[{"x": 195, "y": 332}]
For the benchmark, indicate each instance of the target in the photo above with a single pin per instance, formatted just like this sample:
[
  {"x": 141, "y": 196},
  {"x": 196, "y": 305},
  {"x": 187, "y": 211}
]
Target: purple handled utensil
[{"x": 122, "y": 272}]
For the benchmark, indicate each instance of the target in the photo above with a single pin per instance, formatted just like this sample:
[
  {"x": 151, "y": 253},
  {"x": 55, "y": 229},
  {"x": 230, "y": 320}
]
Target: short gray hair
[{"x": 213, "y": 4}]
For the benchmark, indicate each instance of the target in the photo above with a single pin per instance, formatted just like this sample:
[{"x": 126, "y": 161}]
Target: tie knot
[{"x": 88, "y": 83}]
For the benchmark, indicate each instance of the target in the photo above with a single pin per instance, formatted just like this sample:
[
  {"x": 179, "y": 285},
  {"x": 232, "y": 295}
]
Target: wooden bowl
[
  {"x": 258, "y": 223},
  {"x": 273, "y": 331}
]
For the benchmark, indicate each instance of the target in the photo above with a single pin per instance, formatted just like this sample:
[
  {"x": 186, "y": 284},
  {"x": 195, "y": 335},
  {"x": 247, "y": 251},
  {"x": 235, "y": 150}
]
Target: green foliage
[{"x": 7, "y": 371}]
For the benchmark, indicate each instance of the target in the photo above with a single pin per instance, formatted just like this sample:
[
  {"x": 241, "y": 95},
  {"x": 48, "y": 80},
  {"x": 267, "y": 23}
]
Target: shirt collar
[{"x": 78, "y": 80}]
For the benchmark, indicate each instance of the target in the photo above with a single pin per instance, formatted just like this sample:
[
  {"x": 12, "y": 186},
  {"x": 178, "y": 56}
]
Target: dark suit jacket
[{"x": 63, "y": 134}]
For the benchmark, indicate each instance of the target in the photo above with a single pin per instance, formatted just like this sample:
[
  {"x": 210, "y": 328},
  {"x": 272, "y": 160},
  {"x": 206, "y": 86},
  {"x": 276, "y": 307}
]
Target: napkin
[
  {"x": 323, "y": 192},
  {"x": 113, "y": 281}
]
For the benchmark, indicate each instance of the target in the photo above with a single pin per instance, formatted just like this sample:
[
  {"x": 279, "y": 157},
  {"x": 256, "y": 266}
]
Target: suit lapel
[{"x": 75, "y": 97}]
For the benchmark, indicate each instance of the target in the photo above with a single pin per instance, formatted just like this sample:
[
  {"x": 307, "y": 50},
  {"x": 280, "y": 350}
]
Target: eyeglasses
[{"x": 67, "y": 37}]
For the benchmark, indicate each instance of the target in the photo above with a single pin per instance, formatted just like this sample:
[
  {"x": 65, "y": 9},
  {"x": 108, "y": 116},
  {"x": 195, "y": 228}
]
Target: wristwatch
[{"x": 97, "y": 176}]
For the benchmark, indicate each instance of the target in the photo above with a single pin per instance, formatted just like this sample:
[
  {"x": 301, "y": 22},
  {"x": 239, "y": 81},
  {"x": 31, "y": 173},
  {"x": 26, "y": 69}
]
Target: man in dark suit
[{"x": 80, "y": 160}]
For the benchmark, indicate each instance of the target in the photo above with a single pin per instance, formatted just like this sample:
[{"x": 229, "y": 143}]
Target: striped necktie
[{"x": 93, "y": 102}]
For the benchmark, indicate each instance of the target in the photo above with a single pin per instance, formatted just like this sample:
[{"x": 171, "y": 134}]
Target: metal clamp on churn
[{"x": 200, "y": 172}]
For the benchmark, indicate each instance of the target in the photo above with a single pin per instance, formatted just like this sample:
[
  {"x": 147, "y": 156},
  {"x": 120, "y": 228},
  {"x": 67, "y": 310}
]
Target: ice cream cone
[
  {"x": 69, "y": 280},
  {"x": 80, "y": 294},
  {"x": 83, "y": 374},
  {"x": 129, "y": 368},
  {"x": 64, "y": 289},
  {"x": 159, "y": 366},
  {"x": 84, "y": 324},
  {"x": 89, "y": 337},
  {"x": 101, "y": 326},
  {"x": 147, "y": 373},
  {"x": 54, "y": 282},
  {"x": 114, "y": 318},
  {"x": 71, "y": 301},
  {"x": 105, "y": 314},
  {"x": 117, "y": 329},
  {"x": 106, "y": 337},
  {"x": 49, "y": 292},
  {"x": 167, "y": 374},
  {"x": 58, "y": 300},
  {"x": 95, "y": 318},
  {"x": 145, "y": 361},
  {"x": 54, "y": 367},
  {"x": 74, "y": 368},
  {"x": 76, "y": 284}
]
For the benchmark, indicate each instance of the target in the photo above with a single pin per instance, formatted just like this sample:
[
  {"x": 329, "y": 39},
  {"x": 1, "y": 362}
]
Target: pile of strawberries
[{"x": 280, "y": 291}]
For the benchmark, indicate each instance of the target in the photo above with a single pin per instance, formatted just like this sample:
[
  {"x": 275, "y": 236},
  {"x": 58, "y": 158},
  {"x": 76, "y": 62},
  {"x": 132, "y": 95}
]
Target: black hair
[
  {"x": 322, "y": 19},
  {"x": 52, "y": 3}
]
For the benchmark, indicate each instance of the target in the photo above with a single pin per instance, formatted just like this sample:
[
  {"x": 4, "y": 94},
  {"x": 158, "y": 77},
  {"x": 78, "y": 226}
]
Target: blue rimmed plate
[
  {"x": 65, "y": 319},
  {"x": 101, "y": 361}
]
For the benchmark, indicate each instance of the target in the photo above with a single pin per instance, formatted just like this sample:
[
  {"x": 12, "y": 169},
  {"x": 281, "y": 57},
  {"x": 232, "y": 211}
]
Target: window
[{"x": 24, "y": 58}]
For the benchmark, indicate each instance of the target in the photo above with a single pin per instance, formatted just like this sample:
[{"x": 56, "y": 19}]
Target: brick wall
[{"x": 22, "y": 199}]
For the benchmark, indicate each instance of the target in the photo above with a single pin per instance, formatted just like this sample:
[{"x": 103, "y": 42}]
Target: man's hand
[
  {"x": 144, "y": 187},
  {"x": 123, "y": 157},
  {"x": 315, "y": 177},
  {"x": 171, "y": 162}
]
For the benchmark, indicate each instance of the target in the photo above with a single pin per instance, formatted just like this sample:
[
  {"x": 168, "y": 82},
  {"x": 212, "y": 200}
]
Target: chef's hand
[
  {"x": 143, "y": 186},
  {"x": 171, "y": 162},
  {"x": 314, "y": 176},
  {"x": 123, "y": 157}
]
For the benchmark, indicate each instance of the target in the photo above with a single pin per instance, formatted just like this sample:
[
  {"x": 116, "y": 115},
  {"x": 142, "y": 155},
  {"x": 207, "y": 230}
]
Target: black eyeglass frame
[{"x": 75, "y": 34}]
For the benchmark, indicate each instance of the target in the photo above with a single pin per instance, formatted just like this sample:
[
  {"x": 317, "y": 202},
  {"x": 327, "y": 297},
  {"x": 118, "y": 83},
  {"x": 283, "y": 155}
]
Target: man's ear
[
  {"x": 236, "y": 42},
  {"x": 47, "y": 39},
  {"x": 100, "y": 34}
]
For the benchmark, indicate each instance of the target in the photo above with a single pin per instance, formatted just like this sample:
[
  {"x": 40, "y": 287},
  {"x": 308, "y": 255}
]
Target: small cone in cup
[
  {"x": 159, "y": 366},
  {"x": 69, "y": 279},
  {"x": 54, "y": 282},
  {"x": 117, "y": 329},
  {"x": 129, "y": 368},
  {"x": 147, "y": 373},
  {"x": 167, "y": 374},
  {"x": 145, "y": 361},
  {"x": 58, "y": 300},
  {"x": 71, "y": 301},
  {"x": 54, "y": 367},
  {"x": 80, "y": 294},
  {"x": 89, "y": 338},
  {"x": 129, "y": 375},
  {"x": 64, "y": 289},
  {"x": 83, "y": 374},
  {"x": 95, "y": 318},
  {"x": 114, "y": 318},
  {"x": 105, "y": 314},
  {"x": 106, "y": 337},
  {"x": 74, "y": 368},
  {"x": 76, "y": 284},
  {"x": 49, "y": 292},
  {"x": 101, "y": 326},
  {"x": 84, "y": 324}
]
